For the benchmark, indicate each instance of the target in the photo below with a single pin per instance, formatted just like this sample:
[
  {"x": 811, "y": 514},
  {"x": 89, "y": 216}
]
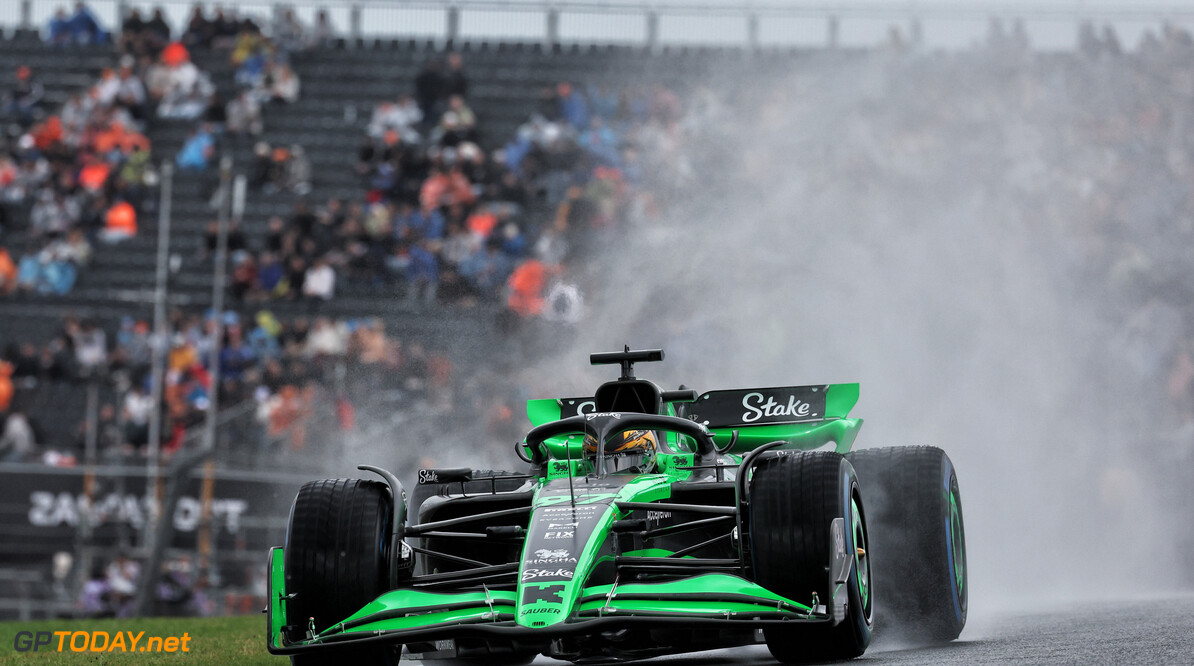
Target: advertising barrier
[{"x": 43, "y": 509}]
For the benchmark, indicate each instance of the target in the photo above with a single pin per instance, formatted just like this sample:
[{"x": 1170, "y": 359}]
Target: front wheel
[
  {"x": 919, "y": 541},
  {"x": 806, "y": 514},
  {"x": 337, "y": 560}
]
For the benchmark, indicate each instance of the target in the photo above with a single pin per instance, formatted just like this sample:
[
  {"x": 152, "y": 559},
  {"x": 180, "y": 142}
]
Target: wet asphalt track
[{"x": 1159, "y": 631}]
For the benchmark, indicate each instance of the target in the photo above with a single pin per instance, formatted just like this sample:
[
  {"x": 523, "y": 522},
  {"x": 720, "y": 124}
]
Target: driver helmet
[{"x": 631, "y": 451}]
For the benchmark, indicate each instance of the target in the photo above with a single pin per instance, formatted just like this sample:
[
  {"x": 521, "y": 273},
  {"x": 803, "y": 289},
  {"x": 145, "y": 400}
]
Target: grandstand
[
  {"x": 386, "y": 364},
  {"x": 341, "y": 87}
]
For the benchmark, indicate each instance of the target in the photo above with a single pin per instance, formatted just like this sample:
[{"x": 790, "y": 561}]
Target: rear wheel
[
  {"x": 337, "y": 560},
  {"x": 794, "y": 502},
  {"x": 918, "y": 539}
]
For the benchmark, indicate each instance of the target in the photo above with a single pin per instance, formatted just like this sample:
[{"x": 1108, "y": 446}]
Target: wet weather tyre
[
  {"x": 337, "y": 560},
  {"x": 794, "y": 500},
  {"x": 918, "y": 541}
]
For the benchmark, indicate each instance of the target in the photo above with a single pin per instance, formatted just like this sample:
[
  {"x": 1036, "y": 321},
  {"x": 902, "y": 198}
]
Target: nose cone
[
  {"x": 568, "y": 536},
  {"x": 562, "y": 541}
]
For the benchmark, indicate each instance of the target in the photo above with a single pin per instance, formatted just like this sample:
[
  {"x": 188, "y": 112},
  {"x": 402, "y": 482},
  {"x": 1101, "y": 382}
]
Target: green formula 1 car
[{"x": 647, "y": 522}]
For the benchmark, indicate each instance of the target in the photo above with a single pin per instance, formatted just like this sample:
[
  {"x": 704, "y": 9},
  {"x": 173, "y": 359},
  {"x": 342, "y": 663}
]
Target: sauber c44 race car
[{"x": 646, "y": 522}]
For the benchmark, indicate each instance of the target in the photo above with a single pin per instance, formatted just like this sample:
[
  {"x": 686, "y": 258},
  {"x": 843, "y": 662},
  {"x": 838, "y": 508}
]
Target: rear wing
[
  {"x": 808, "y": 416},
  {"x": 744, "y": 408}
]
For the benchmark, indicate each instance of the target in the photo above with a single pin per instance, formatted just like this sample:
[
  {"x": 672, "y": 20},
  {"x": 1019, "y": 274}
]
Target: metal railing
[{"x": 950, "y": 25}]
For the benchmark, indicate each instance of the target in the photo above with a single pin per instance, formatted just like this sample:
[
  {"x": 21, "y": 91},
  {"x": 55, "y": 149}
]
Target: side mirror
[
  {"x": 729, "y": 446},
  {"x": 679, "y": 395},
  {"x": 520, "y": 452}
]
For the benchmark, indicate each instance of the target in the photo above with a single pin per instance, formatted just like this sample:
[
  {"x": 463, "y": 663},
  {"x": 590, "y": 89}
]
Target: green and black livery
[{"x": 756, "y": 523}]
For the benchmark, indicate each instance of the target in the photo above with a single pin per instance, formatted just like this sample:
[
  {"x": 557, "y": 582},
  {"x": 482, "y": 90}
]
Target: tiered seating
[
  {"x": 340, "y": 86},
  {"x": 339, "y": 90},
  {"x": 62, "y": 72}
]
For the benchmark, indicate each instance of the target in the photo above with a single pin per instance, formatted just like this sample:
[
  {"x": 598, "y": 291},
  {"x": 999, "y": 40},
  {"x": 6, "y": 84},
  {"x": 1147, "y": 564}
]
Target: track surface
[{"x": 1155, "y": 631}]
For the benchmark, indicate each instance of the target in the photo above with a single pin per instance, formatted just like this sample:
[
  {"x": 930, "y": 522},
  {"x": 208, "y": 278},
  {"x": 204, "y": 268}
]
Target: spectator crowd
[
  {"x": 280, "y": 376},
  {"x": 73, "y": 176},
  {"x": 443, "y": 220}
]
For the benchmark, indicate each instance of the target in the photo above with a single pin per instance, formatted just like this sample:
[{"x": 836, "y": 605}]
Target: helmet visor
[{"x": 631, "y": 451}]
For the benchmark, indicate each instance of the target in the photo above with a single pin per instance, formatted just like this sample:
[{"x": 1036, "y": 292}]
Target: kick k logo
[{"x": 548, "y": 593}]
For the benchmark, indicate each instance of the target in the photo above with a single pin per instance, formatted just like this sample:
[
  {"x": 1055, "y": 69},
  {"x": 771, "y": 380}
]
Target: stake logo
[
  {"x": 531, "y": 574},
  {"x": 780, "y": 404},
  {"x": 757, "y": 409},
  {"x": 576, "y": 406}
]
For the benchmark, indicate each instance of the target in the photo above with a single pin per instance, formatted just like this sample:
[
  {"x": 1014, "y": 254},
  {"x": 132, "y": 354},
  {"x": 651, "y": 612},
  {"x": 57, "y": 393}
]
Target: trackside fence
[{"x": 751, "y": 25}]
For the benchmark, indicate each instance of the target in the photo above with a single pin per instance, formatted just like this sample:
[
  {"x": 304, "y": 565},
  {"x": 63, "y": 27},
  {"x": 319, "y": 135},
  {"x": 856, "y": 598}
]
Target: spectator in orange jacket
[
  {"x": 47, "y": 133},
  {"x": 120, "y": 222},
  {"x": 8, "y": 272},
  {"x": 287, "y": 412},
  {"x": 94, "y": 174},
  {"x": 118, "y": 137},
  {"x": 131, "y": 140},
  {"x": 445, "y": 189},
  {"x": 6, "y": 387},
  {"x": 525, "y": 288}
]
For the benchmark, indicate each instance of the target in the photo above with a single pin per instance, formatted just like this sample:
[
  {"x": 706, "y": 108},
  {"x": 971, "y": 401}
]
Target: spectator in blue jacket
[
  {"x": 488, "y": 268},
  {"x": 263, "y": 339},
  {"x": 80, "y": 28},
  {"x": 415, "y": 222},
  {"x": 573, "y": 106},
  {"x": 269, "y": 273},
  {"x": 236, "y": 356},
  {"x": 197, "y": 150},
  {"x": 422, "y": 273},
  {"x": 600, "y": 142},
  {"x": 59, "y": 28}
]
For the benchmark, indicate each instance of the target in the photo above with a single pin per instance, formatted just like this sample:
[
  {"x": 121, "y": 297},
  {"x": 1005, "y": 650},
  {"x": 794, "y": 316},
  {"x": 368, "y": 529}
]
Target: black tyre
[
  {"x": 337, "y": 560},
  {"x": 794, "y": 501},
  {"x": 918, "y": 541}
]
